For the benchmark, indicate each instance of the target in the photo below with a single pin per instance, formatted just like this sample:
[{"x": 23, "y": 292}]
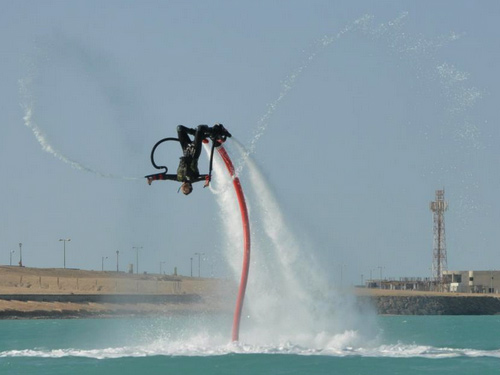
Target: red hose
[{"x": 246, "y": 242}]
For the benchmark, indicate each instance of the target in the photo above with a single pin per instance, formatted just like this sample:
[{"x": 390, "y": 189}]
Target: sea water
[{"x": 201, "y": 345}]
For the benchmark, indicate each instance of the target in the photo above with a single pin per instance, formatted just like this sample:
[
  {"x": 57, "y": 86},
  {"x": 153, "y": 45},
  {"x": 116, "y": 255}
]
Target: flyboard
[{"x": 217, "y": 143}]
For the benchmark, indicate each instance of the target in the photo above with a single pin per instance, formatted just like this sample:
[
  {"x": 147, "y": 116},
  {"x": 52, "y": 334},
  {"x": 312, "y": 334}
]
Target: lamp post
[
  {"x": 102, "y": 263},
  {"x": 117, "y": 255},
  {"x": 371, "y": 277},
  {"x": 380, "y": 268},
  {"x": 11, "y": 252},
  {"x": 64, "y": 249},
  {"x": 137, "y": 248},
  {"x": 20, "y": 254},
  {"x": 199, "y": 262},
  {"x": 491, "y": 282},
  {"x": 160, "y": 265},
  {"x": 191, "y": 266}
]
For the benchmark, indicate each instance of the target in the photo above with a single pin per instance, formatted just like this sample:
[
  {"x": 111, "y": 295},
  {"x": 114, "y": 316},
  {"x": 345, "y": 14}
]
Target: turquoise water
[{"x": 200, "y": 345}]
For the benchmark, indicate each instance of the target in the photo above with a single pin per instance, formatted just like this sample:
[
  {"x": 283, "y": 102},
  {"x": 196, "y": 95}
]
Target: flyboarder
[{"x": 187, "y": 171}]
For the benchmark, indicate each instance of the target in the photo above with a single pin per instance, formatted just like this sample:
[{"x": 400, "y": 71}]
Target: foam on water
[{"x": 187, "y": 350}]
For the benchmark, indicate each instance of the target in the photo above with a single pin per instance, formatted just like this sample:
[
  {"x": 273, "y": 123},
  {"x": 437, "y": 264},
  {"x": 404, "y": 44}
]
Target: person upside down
[{"x": 187, "y": 171}]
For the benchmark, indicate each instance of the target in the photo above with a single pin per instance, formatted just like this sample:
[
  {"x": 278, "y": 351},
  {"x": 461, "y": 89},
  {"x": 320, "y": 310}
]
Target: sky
[{"x": 355, "y": 112}]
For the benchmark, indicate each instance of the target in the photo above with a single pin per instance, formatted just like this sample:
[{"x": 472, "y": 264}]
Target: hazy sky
[{"x": 356, "y": 112}]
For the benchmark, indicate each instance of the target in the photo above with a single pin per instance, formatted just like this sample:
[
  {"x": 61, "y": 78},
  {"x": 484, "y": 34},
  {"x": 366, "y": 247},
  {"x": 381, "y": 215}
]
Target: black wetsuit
[{"x": 191, "y": 149}]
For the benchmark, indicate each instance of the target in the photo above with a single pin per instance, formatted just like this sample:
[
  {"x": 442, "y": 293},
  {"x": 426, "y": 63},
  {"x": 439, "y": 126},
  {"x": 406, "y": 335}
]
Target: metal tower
[{"x": 439, "y": 262}]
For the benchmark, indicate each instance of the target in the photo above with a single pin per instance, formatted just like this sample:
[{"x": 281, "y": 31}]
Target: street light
[
  {"x": 491, "y": 282},
  {"x": 64, "y": 248},
  {"x": 371, "y": 283},
  {"x": 12, "y": 252},
  {"x": 380, "y": 268},
  {"x": 117, "y": 254},
  {"x": 191, "y": 266},
  {"x": 160, "y": 265},
  {"x": 199, "y": 262},
  {"x": 102, "y": 263},
  {"x": 20, "y": 254},
  {"x": 137, "y": 248}
]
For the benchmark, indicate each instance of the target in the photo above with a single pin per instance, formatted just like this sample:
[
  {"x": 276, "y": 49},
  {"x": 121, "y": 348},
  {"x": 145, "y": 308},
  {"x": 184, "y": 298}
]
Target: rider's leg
[
  {"x": 182, "y": 134},
  {"x": 202, "y": 131}
]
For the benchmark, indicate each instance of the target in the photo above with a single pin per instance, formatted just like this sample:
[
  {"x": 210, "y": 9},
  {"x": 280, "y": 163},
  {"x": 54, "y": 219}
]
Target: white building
[{"x": 472, "y": 281}]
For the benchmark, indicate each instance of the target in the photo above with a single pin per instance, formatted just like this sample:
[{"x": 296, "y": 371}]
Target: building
[
  {"x": 472, "y": 281},
  {"x": 452, "y": 281},
  {"x": 405, "y": 283}
]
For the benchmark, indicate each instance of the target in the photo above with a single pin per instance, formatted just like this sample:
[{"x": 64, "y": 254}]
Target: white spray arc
[
  {"x": 290, "y": 82},
  {"x": 28, "y": 108},
  {"x": 28, "y": 101}
]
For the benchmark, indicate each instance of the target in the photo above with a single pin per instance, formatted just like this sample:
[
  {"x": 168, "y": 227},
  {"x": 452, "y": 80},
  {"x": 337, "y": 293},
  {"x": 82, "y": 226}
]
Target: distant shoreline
[
  {"x": 99, "y": 311},
  {"x": 48, "y": 293},
  {"x": 38, "y": 293}
]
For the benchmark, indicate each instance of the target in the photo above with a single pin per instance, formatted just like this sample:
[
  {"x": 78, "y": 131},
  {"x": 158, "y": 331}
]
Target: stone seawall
[
  {"x": 433, "y": 305},
  {"x": 104, "y": 298},
  {"x": 59, "y": 306}
]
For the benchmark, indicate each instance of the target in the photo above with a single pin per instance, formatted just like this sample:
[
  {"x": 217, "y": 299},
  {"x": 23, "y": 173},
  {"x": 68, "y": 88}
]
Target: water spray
[{"x": 47, "y": 147}]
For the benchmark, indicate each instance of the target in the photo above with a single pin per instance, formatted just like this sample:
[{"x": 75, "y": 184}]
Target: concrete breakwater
[
  {"x": 38, "y": 292},
  {"x": 104, "y": 298},
  {"x": 57, "y": 306},
  {"x": 65, "y": 306},
  {"x": 433, "y": 305},
  {"x": 73, "y": 305}
]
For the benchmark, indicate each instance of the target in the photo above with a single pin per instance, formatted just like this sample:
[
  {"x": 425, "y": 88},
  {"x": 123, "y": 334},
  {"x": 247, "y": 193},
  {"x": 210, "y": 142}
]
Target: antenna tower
[{"x": 439, "y": 262}]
